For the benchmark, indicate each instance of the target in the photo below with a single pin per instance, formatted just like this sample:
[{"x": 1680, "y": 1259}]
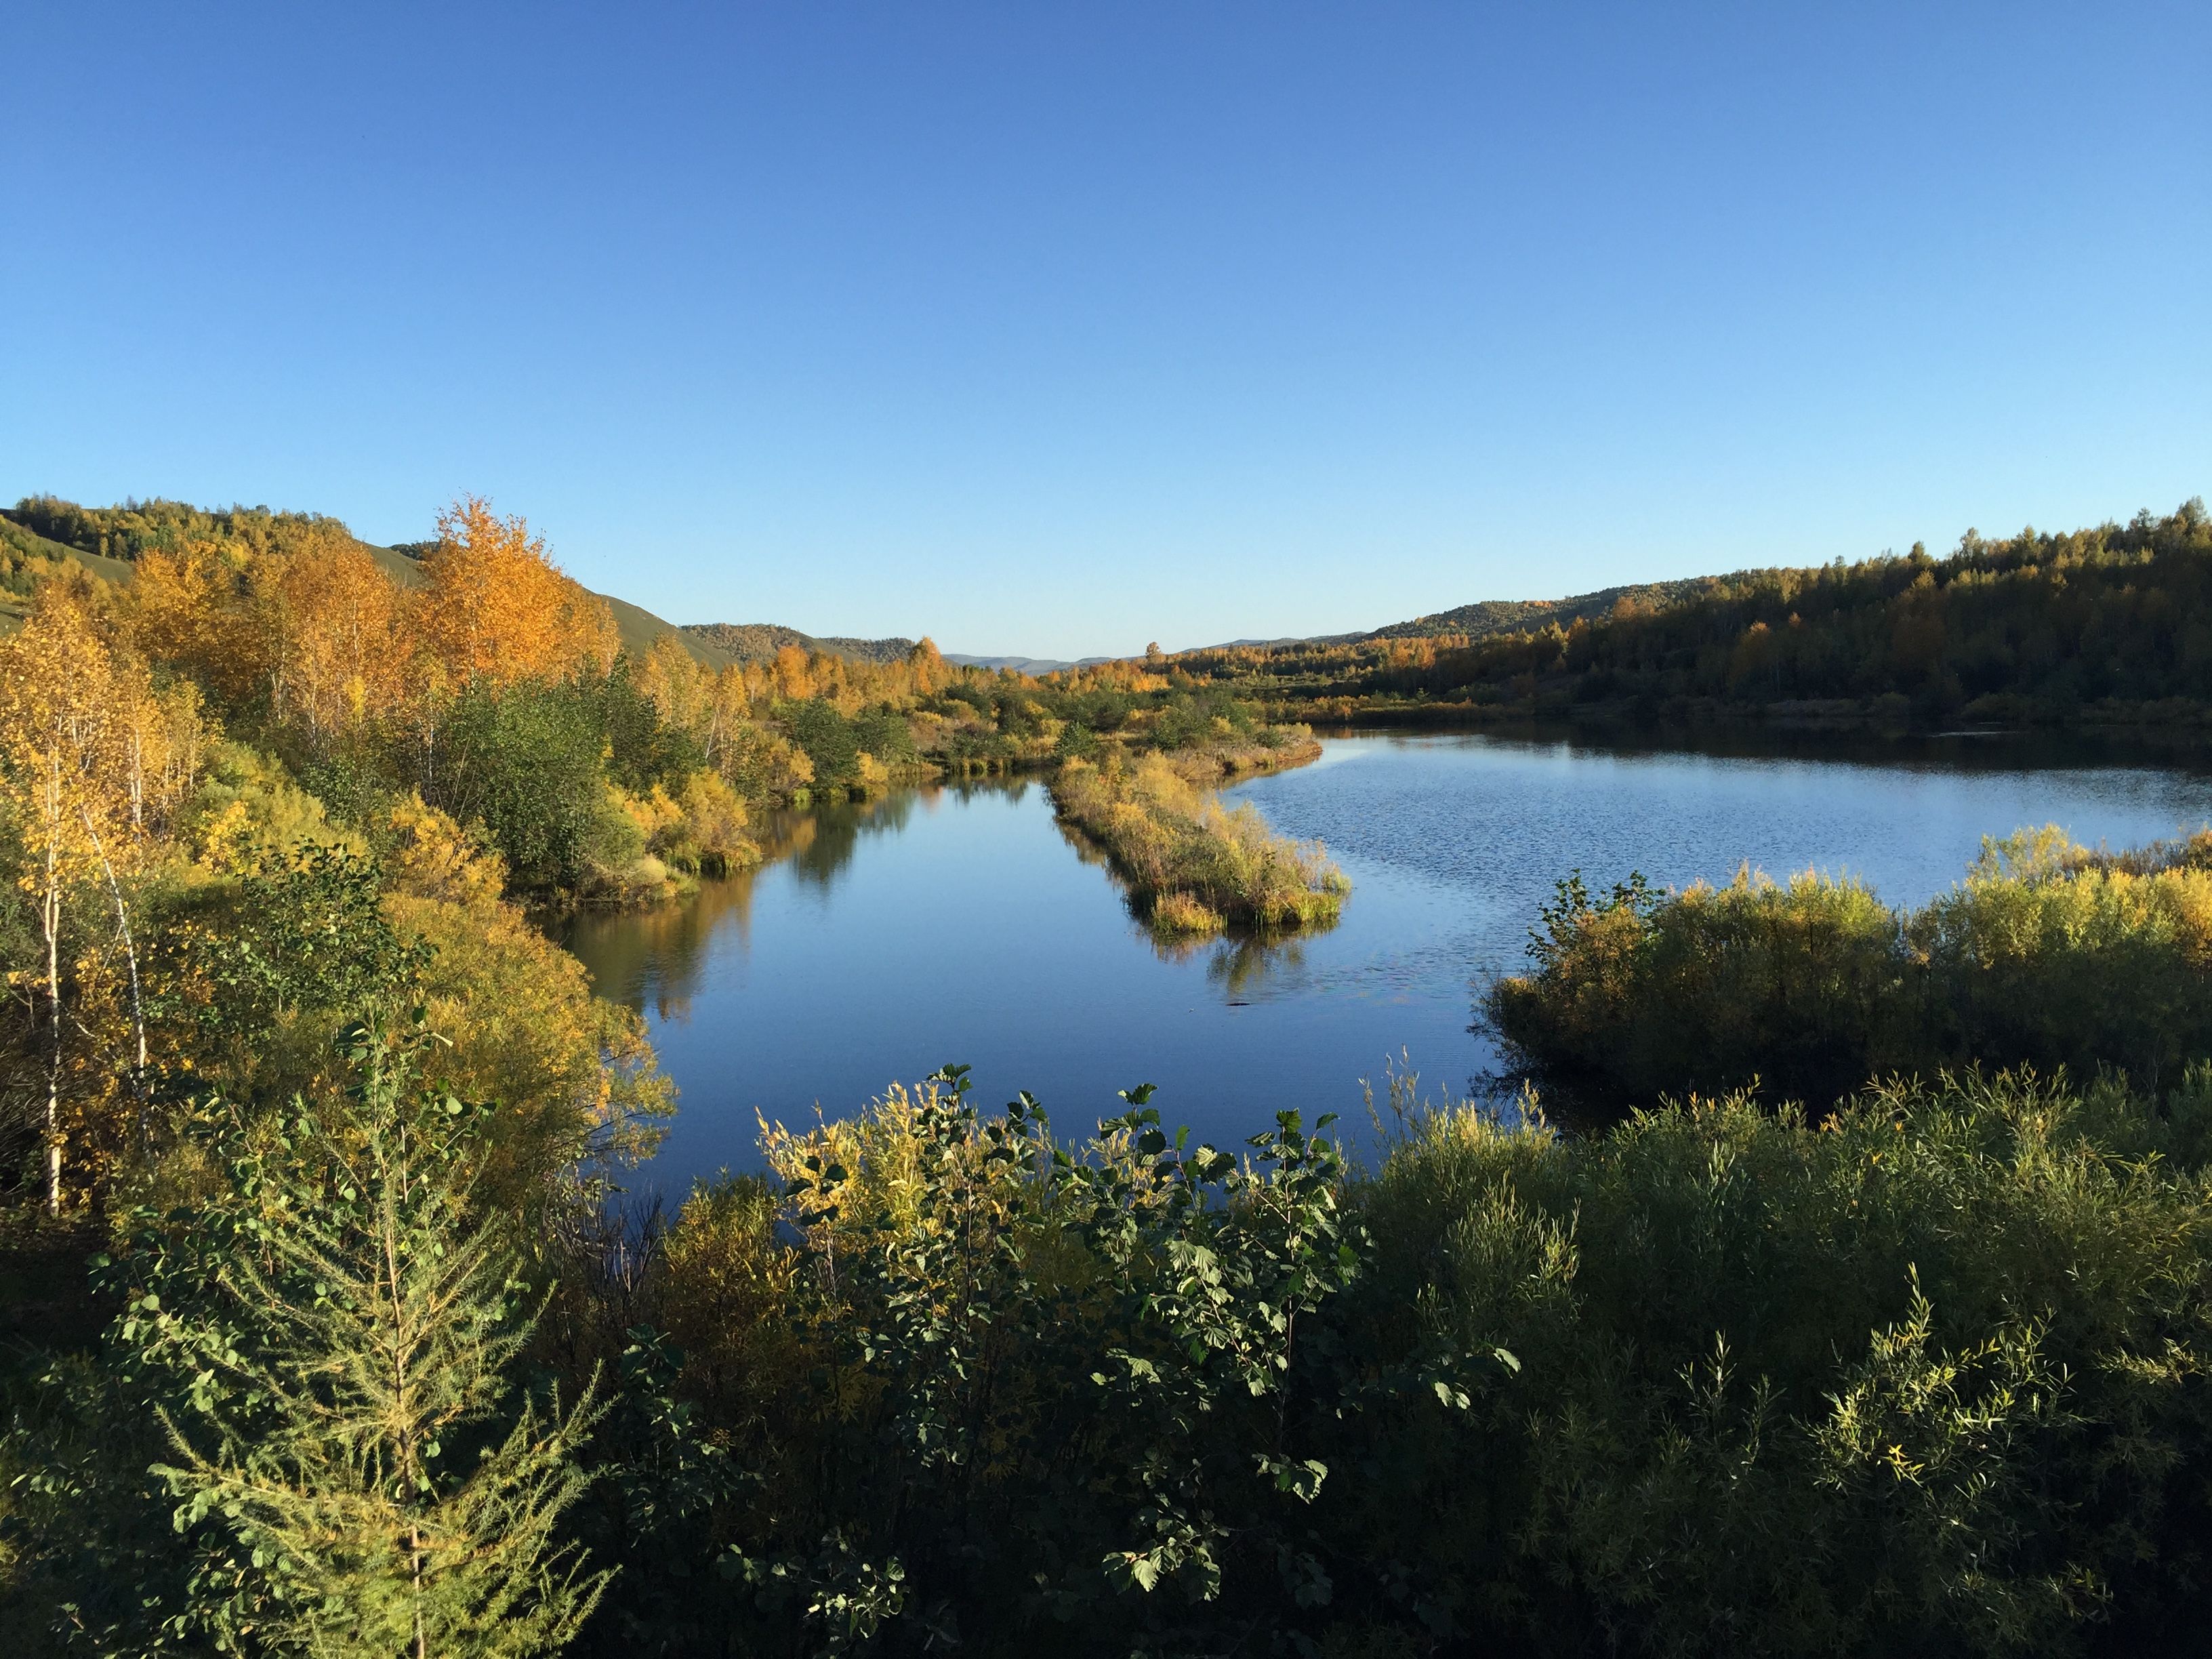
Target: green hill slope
[{"x": 26, "y": 555}]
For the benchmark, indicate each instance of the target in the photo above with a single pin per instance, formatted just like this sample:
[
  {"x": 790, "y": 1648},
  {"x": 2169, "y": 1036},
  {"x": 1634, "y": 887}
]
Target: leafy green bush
[
  {"x": 527, "y": 762},
  {"x": 951, "y": 1379}
]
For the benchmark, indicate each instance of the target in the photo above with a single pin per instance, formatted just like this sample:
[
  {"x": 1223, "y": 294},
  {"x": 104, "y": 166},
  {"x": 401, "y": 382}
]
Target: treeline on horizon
[{"x": 2109, "y": 623}]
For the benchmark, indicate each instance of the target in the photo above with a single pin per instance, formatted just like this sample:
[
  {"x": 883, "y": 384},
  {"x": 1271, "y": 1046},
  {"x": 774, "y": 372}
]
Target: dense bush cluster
[
  {"x": 1926, "y": 1375},
  {"x": 2047, "y": 954}
]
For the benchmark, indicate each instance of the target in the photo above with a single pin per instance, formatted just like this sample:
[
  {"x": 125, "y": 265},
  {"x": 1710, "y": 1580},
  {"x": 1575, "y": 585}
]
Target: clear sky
[{"x": 1055, "y": 328}]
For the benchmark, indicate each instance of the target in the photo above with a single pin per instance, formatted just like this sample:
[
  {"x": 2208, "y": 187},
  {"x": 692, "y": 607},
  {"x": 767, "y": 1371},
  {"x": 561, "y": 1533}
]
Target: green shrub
[{"x": 527, "y": 762}]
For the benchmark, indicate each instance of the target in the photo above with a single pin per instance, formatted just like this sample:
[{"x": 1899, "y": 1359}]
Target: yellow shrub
[
  {"x": 434, "y": 857},
  {"x": 1179, "y": 912}
]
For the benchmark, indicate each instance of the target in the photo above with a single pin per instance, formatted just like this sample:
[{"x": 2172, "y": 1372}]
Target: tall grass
[{"x": 1193, "y": 865}]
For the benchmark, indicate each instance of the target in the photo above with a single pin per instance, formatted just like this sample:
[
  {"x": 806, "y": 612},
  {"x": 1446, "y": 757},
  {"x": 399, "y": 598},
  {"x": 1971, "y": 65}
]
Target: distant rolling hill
[
  {"x": 1023, "y": 665},
  {"x": 1488, "y": 617},
  {"x": 717, "y": 644},
  {"x": 760, "y": 642}
]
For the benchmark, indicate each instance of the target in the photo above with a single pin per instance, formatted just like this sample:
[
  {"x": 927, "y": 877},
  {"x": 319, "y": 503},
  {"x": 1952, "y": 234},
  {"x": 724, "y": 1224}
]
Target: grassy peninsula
[{"x": 1193, "y": 866}]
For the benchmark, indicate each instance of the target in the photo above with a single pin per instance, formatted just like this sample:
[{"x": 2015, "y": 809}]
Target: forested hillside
[
  {"x": 2108, "y": 623},
  {"x": 1487, "y": 617}
]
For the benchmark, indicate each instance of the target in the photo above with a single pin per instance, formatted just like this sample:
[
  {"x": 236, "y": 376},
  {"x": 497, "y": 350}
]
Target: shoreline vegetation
[
  {"x": 608, "y": 759},
  {"x": 2048, "y": 955}
]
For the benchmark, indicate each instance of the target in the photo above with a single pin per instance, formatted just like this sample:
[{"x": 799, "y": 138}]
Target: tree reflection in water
[{"x": 654, "y": 959}]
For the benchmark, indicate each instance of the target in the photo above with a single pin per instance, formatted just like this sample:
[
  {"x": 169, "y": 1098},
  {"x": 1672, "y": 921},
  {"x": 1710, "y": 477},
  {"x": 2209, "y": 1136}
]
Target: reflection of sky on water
[{"x": 958, "y": 924}]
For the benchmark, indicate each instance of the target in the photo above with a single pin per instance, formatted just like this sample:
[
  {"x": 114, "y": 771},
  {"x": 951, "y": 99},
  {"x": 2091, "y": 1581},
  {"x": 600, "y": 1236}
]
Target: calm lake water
[{"x": 958, "y": 924}]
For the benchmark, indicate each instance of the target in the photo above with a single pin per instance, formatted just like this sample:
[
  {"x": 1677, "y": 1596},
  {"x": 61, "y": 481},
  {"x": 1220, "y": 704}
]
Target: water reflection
[
  {"x": 957, "y": 923},
  {"x": 654, "y": 959},
  {"x": 820, "y": 842}
]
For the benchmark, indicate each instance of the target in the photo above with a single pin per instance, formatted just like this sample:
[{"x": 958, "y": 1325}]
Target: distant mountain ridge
[{"x": 760, "y": 642}]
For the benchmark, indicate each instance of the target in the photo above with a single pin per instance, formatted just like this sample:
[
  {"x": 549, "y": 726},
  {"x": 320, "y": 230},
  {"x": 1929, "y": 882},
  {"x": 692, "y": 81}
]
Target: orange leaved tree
[
  {"x": 346, "y": 658},
  {"x": 498, "y": 609}
]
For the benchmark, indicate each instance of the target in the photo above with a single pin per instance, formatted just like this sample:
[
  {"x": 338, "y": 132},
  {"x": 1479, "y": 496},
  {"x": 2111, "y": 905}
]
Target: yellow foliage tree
[
  {"x": 345, "y": 654},
  {"x": 90, "y": 758},
  {"x": 498, "y": 609},
  {"x": 792, "y": 680},
  {"x": 680, "y": 689},
  {"x": 191, "y": 606}
]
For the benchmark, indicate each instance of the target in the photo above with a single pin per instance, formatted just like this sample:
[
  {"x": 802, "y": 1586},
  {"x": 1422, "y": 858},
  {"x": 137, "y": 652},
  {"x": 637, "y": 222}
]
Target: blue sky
[{"x": 1059, "y": 328}]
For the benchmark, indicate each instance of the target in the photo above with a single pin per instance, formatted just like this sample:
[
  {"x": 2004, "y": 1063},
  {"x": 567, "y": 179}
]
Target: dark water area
[{"x": 959, "y": 924}]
